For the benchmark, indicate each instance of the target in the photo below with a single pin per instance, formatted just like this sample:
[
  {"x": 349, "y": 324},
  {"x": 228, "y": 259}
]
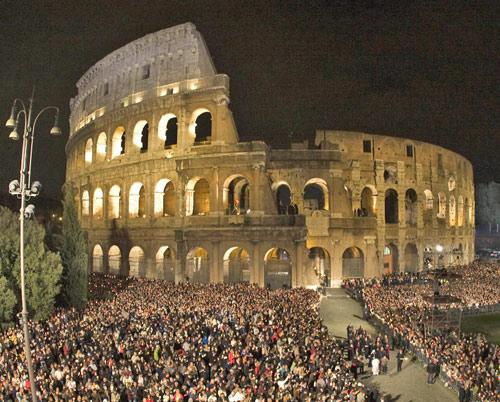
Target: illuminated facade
[{"x": 165, "y": 188}]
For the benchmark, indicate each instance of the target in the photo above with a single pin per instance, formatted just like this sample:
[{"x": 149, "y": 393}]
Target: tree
[
  {"x": 42, "y": 267},
  {"x": 7, "y": 300},
  {"x": 74, "y": 255}
]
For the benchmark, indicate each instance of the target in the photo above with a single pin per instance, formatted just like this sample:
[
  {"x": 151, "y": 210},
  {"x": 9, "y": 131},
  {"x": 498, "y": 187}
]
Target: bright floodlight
[
  {"x": 35, "y": 188},
  {"x": 56, "y": 130},
  {"x": 29, "y": 211},
  {"x": 439, "y": 248},
  {"x": 11, "y": 123},
  {"x": 14, "y": 135},
  {"x": 14, "y": 186}
]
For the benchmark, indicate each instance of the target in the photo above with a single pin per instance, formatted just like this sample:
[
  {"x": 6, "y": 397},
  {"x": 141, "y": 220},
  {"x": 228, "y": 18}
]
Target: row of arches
[
  {"x": 236, "y": 199},
  {"x": 237, "y": 264},
  {"x": 200, "y": 128}
]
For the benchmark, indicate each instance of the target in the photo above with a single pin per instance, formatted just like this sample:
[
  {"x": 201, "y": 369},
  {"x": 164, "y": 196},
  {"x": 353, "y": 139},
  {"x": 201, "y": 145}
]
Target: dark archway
[
  {"x": 391, "y": 206},
  {"x": 278, "y": 268},
  {"x": 353, "y": 263}
]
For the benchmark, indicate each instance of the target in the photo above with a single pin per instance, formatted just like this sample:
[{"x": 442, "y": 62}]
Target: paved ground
[{"x": 338, "y": 310}]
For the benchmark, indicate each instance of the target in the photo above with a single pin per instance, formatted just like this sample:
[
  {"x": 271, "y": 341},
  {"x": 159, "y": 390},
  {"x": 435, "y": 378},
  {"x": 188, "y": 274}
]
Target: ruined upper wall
[{"x": 165, "y": 62}]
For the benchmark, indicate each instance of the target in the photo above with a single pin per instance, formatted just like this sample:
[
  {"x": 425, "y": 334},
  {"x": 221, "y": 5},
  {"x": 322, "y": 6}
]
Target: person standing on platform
[{"x": 399, "y": 359}]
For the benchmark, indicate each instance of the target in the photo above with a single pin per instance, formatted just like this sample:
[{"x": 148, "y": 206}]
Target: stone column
[
  {"x": 298, "y": 272},
  {"x": 337, "y": 194},
  {"x": 216, "y": 273},
  {"x": 257, "y": 275},
  {"x": 372, "y": 257}
]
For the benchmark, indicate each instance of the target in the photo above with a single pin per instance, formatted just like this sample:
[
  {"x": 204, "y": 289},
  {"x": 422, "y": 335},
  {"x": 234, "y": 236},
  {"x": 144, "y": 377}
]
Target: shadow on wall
[{"x": 120, "y": 237}]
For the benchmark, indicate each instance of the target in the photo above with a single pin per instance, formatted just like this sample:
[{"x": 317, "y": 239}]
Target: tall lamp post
[{"x": 24, "y": 189}]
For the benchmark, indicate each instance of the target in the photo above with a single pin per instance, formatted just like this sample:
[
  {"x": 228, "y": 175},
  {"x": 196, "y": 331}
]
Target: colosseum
[{"x": 165, "y": 188}]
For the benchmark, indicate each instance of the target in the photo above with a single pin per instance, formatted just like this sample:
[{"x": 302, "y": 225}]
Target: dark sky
[{"x": 424, "y": 72}]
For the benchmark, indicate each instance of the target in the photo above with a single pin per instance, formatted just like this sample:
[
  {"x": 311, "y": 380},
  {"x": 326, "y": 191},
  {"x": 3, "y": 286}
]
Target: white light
[{"x": 439, "y": 248}]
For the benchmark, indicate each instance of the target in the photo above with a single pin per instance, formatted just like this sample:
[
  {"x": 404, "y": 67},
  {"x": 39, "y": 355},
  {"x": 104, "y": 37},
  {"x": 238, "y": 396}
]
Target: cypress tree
[{"x": 74, "y": 255}]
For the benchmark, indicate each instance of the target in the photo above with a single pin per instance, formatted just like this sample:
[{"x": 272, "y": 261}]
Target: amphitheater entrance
[
  {"x": 197, "y": 197},
  {"x": 390, "y": 259},
  {"x": 318, "y": 267},
  {"x": 411, "y": 258},
  {"x": 391, "y": 206},
  {"x": 236, "y": 265},
  {"x": 411, "y": 207},
  {"x": 165, "y": 264},
  {"x": 164, "y": 198},
  {"x": 114, "y": 260},
  {"x": 284, "y": 200},
  {"x": 197, "y": 266},
  {"x": 368, "y": 200},
  {"x": 353, "y": 264},
  {"x": 278, "y": 268},
  {"x": 315, "y": 195},
  {"x": 97, "y": 259},
  {"x": 136, "y": 262}
]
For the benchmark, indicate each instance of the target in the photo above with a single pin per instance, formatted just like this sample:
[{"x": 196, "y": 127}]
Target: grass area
[{"x": 488, "y": 324}]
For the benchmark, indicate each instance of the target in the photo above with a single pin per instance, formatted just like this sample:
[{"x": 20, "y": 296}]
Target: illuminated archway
[
  {"x": 428, "y": 206},
  {"x": 97, "y": 259},
  {"x": 164, "y": 199},
  {"x": 353, "y": 263},
  {"x": 391, "y": 259},
  {"x": 441, "y": 206},
  {"x": 236, "y": 196},
  {"x": 98, "y": 203},
  {"x": 137, "y": 201},
  {"x": 89, "y": 144},
  {"x": 316, "y": 195},
  {"x": 165, "y": 264},
  {"x": 453, "y": 211},
  {"x": 101, "y": 147},
  {"x": 236, "y": 265},
  {"x": 201, "y": 126},
  {"x": 278, "y": 268},
  {"x": 411, "y": 207},
  {"x": 318, "y": 267},
  {"x": 118, "y": 142},
  {"x": 114, "y": 260},
  {"x": 197, "y": 265},
  {"x": 197, "y": 197},
  {"x": 140, "y": 136},
  {"x": 114, "y": 202},
  {"x": 460, "y": 214},
  {"x": 136, "y": 262},
  {"x": 368, "y": 201},
  {"x": 284, "y": 199},
  {"x": 85, "y": 203},
  {"x": 167, "y": 130}
]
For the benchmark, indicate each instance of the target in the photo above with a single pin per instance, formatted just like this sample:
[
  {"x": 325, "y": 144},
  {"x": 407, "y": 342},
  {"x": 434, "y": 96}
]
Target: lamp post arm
[{"x": 32, "y": 140}]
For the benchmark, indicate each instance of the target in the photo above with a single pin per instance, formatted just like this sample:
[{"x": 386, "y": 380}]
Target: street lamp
[{"x": 23, "y": 188}]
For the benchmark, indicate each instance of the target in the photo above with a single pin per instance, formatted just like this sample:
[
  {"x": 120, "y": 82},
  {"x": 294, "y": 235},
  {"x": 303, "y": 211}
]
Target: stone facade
[{"x": 166, "y": 189}]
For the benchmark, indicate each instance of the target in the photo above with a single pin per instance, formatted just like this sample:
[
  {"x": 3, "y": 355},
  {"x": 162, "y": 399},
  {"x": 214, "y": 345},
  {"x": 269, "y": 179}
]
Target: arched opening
[
  {"x": 167, "y": 130},
  {"x": 353, "y": 263},
  {"x": 197, "y": 266},
  {"x": 284, "y": 200},
  {"x": 316, "y": 195},
  {"x": 118, "y": 142},
  {"x": 318, "y": 267},
  {"x": 391, "y": 263},
  {"x": 137, "y": 201},
  {"x": 460, "y": 214},
  {"x": 114, "y": 202},
  {"x": 165, "y": 200},
  {"x": 136, "y": 262},
  {"x": 201, "y": 126},
  {"x": 197, "y": 197},
  {"x": 85, "y": 203},
  {"x": 236, "y": 265},
  {"x": 441, "y": 206},
  {"x": 453, "y": 211},
  {"x": 97, "y": 259},
  {"x": 114, "y": 260},
  {"x": 101, "y": 147},
  {"x": 88, "y": 151},
  {"x": 278, "y": 268},
  {"x": 411, "y": 207},
  {"x": 98, "y": 203},
  {"x": 411, "y": 258},
  {"x": 368, "y": 202},
  {"x": 391, "y": 206},
  {"x": 165, "y": 264},
  {"x": 236, "y": 195},
  {"x": 428, "y": 207},
  {"x": 140, "y": 137}
]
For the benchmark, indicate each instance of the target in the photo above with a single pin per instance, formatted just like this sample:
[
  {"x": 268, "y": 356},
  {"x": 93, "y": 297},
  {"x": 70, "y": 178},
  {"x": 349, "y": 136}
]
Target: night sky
[{"x": 424, "y": 72}]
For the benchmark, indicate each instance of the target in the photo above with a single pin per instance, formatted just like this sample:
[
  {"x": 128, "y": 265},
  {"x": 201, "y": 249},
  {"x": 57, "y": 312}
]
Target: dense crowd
[
  {"x": 155, "y": 341},
  {"x": 469, "y": 360}
]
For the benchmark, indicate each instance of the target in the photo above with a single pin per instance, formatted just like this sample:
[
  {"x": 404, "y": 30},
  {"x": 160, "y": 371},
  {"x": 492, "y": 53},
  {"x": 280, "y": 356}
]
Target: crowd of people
[
  {"x": 145, "y": 340},
  {"x": 403, "y": 304}
]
